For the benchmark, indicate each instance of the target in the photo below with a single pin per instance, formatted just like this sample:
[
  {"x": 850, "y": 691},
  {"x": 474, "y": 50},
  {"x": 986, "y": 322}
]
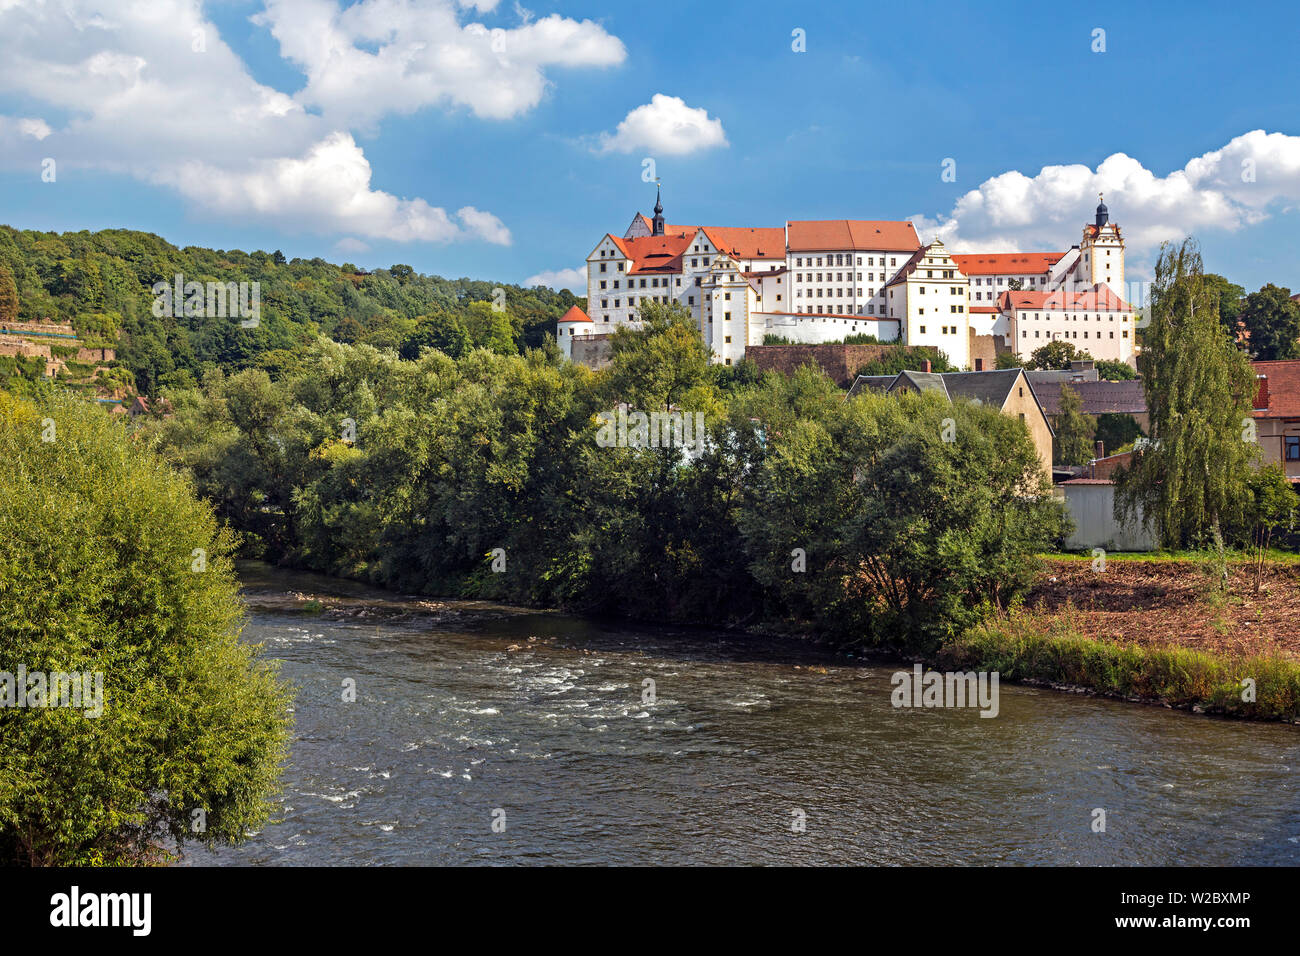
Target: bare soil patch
[{"x": 1173, "y": 603}]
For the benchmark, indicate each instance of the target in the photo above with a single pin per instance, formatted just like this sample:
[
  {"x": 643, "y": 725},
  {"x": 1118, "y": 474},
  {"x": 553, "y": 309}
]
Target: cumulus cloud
[
  {"x": 575, "y": 280},
  {"x": 1246, "y": 181},
  {"x": 384, "y": 56},
  {"x": 326, "y": 190},
  {"x": 667, "y": 126},
  {"x": 152, "y": 91}
]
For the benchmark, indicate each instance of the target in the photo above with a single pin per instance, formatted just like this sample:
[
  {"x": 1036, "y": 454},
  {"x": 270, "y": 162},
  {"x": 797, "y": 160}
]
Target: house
[
  {"x": 1007, "y": 390},
  {"x": 1097, "y": 398},
  {"x": 1277, "y": 414}
]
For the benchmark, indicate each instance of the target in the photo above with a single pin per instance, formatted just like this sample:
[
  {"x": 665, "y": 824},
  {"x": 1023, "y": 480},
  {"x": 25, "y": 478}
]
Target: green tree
[
  {"x": 1075, "y": 431},
  {"x": 1271, "y": 504},
  {"x": 1116, "y": 430},
  {"x": 902, "y": 358},
  {"x": 1188, "y": 481},
  {"x": 8, "y": 295},
  {"x": 109, "y": 565},
  {"x": 1230, "y": 297},
  {"x": 1109, "y": 370},
  {"x": 1272, "y": 318},
  {"x": 1009, "y": 360},
  {"x": 1056, "y": 354}
]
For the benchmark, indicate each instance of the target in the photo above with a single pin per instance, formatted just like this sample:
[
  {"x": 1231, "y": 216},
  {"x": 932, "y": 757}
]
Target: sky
[{"x": 488, "y": 139}]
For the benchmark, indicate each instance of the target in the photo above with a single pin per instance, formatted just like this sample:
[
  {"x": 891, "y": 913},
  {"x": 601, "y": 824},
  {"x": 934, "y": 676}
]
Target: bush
[{"x": 97, "y": 559}]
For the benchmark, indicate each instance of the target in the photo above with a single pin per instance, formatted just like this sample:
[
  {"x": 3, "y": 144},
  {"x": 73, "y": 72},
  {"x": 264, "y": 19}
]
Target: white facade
[{"x": 817, "y": 281}]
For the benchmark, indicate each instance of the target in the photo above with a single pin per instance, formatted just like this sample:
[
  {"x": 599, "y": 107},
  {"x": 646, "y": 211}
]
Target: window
[
  {"x": 602, "y": 283},
  {"x": 604, "y": 303},
  {"x": 602, "y": 265},
  {"x": 727, "y": 339},
  {"x": 726, "y": 295},
  {"x": 726, "y": 316},
  {"x": 1292, "y": 443},
  {"x": 923, "y": 330}
]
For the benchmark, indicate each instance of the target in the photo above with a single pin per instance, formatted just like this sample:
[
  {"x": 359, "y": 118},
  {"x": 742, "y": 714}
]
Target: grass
[{"x": 1018, "y": 650}]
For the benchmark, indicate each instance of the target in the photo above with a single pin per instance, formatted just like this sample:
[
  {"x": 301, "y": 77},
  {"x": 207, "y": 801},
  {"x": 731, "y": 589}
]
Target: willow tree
[{"x": 1189, "y": 480}]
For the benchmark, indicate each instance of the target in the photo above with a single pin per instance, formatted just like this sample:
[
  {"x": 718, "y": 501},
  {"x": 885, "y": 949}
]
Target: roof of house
[
  {"x": 832, "y": 235},
  {"x": 1041, "y": 376},
  {"x": 1097, "y": 398},
  {"x": 1099, "y": 298},
  {"x": 922, "y": 382},
  {"x": 875, "y": 383},
  {"x": 1006, "y": 263},
  {"x": 1283, "y": 388},
  {"x": 575, "y": 314},
  {"x": 653, "y": 254},
  {"x": 746, "y": 242},
  {"x": 990, "y": 388}
]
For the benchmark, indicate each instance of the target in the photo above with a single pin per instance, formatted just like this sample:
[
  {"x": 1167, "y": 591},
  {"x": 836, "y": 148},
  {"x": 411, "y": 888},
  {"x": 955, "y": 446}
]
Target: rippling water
[{"x": 465, "y": 709}]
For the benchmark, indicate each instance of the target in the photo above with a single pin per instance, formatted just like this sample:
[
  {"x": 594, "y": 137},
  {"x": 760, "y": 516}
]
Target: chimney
[
  {"x": 1261, "y": 393},
  {"x": 925, "y": 365},
  {"x": 1101, "y": 449},
  {"x": 979, "y": 365}
]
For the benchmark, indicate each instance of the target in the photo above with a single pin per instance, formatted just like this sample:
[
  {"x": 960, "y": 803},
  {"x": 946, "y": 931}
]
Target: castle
[{"x": 820, "y": 280}]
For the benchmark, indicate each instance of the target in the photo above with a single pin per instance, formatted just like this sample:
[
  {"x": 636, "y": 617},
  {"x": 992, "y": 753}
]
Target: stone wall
[{"x": 840, "y": 362}]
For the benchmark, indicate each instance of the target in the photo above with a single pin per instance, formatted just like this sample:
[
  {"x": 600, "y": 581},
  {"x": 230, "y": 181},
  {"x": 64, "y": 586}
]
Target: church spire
[
  {"x": 1103, "y": 214},
  {"x": 658, "y": 229}
]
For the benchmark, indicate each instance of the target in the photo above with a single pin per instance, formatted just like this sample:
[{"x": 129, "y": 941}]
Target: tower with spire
[
  {"x": 657, "y": 224},
  {"x": 1101, "y": 254}
]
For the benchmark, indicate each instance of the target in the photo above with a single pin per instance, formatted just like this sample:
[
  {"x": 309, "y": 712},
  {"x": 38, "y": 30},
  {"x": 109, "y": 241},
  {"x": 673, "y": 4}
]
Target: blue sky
[{"x": 261, "y": 140}]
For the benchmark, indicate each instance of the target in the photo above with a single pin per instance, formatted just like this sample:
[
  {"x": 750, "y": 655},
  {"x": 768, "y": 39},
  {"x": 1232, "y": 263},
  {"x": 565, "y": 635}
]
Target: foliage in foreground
[{"x": 97, "y": 547}]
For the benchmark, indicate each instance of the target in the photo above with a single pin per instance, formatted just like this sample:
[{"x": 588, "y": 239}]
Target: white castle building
[{"x": 820, "y": 280}]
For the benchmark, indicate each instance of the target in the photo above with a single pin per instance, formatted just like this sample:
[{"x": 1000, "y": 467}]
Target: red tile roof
[
  {"x": 832, "y": 235},
  {"x": 985, "y": 308},
  {"x": 745, "y": 242},
  {"x": 1099, "y": 298},
  {"x": 653, "y": 254},
  {"x": 1283, "y": 389},
  {"x": 574, "y": 314},
  {"x": 1006, "y": 263}
]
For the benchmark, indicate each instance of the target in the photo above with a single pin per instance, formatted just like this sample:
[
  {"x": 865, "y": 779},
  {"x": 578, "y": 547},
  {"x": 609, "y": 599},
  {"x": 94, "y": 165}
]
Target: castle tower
[
  {"x": 658, "y": 220},
  {"x": 1101, "y": 254}
]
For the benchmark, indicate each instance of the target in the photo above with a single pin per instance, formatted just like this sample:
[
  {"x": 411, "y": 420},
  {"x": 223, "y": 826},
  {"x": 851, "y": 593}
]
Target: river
[{"x": 470, "y": 714}]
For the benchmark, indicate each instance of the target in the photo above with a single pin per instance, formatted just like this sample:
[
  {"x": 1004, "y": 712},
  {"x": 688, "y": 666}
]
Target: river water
[{"x": 468, "y": 714}]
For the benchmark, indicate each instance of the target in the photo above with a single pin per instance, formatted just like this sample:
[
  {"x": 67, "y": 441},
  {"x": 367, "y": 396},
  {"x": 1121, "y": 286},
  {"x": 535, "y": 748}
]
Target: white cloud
[
  {"x": 151, "y": 90},
  {"x": 575, "y": 280},
  {"x": 667, "y": 126},
  {"x": 350, "y": 244},
  {"x": 326, "y": 190},
  {"x": 1244, "y": 182},
  {"x": 398, "y": 56}
]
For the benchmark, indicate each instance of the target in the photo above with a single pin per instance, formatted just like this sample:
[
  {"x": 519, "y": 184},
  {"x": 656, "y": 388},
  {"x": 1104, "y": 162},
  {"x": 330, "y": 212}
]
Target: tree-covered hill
[{"x": 102, "y": 283}]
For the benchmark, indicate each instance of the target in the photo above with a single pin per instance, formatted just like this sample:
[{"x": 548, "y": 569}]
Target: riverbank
[
  {"x": 1153, "y": 629},
  {"x": 1149, "y": 629}
]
